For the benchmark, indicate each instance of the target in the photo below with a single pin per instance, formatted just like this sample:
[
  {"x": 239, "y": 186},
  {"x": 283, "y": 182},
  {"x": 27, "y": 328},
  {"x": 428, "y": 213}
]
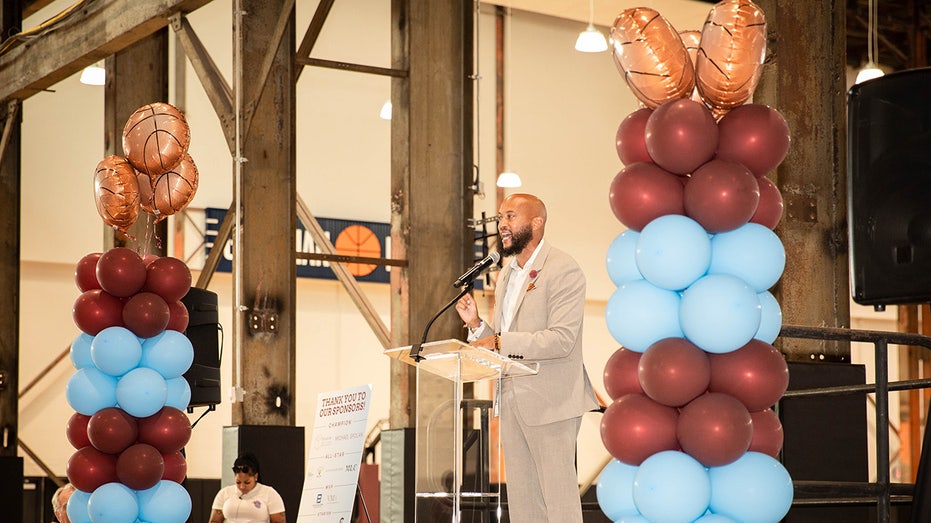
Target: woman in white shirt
[{"x": 247, "y": 501}]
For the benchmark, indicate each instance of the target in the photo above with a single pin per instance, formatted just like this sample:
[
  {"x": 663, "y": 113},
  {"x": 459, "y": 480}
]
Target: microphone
[{"x": 477, "y": 269}]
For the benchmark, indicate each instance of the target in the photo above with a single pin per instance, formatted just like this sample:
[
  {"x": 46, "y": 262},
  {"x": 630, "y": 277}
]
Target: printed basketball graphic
[
  {"x": 156, "y": 138},
  {"x": 358, "y": 240}
]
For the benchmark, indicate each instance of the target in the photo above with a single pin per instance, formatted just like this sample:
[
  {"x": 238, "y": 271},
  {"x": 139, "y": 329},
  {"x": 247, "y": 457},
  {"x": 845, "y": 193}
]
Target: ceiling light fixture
[
  {"x": 591, "y": 40},
  {"x": 385, "y": 112},
  {"x": 870, "y": 70},
  {"x": 94, "y": 75},
  {"x": 507, "y": 178}
]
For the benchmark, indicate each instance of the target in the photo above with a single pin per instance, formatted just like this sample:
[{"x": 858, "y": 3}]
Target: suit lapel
[{"x": 536, "y": 266}]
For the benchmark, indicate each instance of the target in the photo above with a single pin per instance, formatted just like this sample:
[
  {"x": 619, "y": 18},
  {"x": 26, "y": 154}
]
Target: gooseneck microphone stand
[{"x": 415, "y": 350}]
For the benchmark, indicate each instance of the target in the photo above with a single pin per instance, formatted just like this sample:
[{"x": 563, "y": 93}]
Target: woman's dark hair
[{"x": 246, "y": 463}]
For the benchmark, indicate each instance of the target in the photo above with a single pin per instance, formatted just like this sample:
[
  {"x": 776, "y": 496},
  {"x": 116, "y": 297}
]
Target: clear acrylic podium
[{"x": 445, "y": 366}]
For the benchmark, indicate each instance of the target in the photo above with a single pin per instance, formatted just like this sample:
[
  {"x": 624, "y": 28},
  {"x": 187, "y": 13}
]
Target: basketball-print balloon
[
  {"x": 116, "y": 192},
  {"x": 174, "y": 189},
  {"x": 730, "y": 57},
  {"x": 651, "y": 57},
  {"x": 156, "y": 138},
  {"x": 691, "y": 39}
]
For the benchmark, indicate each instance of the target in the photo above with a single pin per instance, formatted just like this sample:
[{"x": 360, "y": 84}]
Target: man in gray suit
[{"x": 540, "y": 304}]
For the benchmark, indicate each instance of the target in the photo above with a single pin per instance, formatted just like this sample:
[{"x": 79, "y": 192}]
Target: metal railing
[{"x": 882, "y": 492}]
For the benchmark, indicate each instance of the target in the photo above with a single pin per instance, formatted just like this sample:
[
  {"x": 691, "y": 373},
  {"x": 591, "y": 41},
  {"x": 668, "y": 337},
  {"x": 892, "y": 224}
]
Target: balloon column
[
  {"x": 690, "y": 428},
  {"x": 157, "y": 175},
  {"x": 128, "y": 390}
]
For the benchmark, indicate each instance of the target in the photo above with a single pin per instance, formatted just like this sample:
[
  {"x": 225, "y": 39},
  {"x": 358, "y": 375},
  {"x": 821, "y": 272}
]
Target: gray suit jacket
[{"x": 547, "y": 329}]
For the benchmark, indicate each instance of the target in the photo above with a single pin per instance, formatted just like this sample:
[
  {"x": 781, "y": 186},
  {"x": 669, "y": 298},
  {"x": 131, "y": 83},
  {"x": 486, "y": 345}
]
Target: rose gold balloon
[
  {"x": 116, "y": 192},
  {"x": 155, "y": 138},
  {"x": 652, "y": 58},
  {"x": 172, "y": 191},
  {"x": 730, "y": 57},
  {"x": 691, "y": 39}
]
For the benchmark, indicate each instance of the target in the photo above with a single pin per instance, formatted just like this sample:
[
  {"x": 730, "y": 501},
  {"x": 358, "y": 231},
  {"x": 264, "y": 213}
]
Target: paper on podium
[{"x": 454, "y": 359}]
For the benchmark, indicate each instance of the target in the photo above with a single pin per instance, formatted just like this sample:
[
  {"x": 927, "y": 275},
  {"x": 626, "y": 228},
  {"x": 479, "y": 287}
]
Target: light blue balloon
[
  {"x": 636, "y": 518},
  {"x": 751, "y": 252},
  {"x": 639, "y": 314},
  {"x": 141, "y": 392},
  {"x": 622, "y": 267},
  {"x": 615, "y": 490},
  {"x": 179, "y": 393},
  {"x": 770, "y": 318},
  {"x": 166, "y": 502},
  {"x": 116, "y": 351},
  {"x": 673, "y": 251},
  {"x": 89, "y": 390},
  {"x": 113, "y": 503},
  {"x": 672, "y": 487},
  {"x": 715, "y": 518},
  {"x": 169, "y": 352},
  {"x": 77, "y": 507},
  {"x": 754, "y": 489},
  {"x": 720, "y": 313},
  {"x": 81, "y": 351}
]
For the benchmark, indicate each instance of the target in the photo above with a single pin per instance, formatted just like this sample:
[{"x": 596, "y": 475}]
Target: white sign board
[{"x": 335, "y": 455}]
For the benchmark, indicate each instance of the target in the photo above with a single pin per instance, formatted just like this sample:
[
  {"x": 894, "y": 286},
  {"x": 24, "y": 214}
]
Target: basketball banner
[{"x": 349, "y": 237}]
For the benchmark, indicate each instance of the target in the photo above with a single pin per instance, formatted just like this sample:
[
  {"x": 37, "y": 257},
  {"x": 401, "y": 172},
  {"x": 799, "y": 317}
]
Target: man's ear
[{"x": 536, "y": 223}]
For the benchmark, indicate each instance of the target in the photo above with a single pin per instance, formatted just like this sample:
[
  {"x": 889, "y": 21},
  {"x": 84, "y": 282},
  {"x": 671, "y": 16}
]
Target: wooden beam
[
  {"x": 266, "y": 212},
  {"x": 218, "y": 90},
  {"x": 312, "y": 33},
  {"x": 343, "y": 275},
  {"x": 261, "y": 73},
  {"x": 103, "y": 28}
]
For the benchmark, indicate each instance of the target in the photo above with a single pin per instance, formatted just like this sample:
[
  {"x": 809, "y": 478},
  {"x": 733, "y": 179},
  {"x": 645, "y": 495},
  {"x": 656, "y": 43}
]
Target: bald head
[{"x": 521, "y": 221}]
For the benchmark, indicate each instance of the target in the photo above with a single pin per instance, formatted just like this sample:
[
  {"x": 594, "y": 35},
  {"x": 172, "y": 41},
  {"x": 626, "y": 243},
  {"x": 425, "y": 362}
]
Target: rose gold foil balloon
[
  {"x": 652, "y": 58},
  {"x": 691, "y": 39},
  {"x": 172, "y": 191},
  {"x": 116, "y": 192},
  {"x": 730, "y": 57},
  {"x": 155, "y": 138}
]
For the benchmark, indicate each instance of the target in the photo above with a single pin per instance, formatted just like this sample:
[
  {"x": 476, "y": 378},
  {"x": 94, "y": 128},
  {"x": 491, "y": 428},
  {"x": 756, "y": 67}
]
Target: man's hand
[{"x": 468, "y": 311}]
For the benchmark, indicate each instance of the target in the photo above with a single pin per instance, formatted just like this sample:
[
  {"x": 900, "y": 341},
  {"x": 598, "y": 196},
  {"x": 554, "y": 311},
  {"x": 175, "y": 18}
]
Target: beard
[{"x": 519, "y": 240}]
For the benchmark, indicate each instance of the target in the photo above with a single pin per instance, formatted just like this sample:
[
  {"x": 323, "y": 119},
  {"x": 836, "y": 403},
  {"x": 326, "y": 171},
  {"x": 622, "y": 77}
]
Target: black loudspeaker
[
  {"x": 203, "y": 330},
  {"x": 889, "y": 188}
]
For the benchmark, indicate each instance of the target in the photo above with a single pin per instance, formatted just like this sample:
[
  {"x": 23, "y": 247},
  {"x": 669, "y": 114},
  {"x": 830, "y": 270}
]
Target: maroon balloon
[
  {"x": 168, "y": 430},
  {"x": 756, "y": 374},
  {"x": 168, "y": 277},
  {"x": 149, "y": 258},
  {"x": 88, "y": 468},
  {"x": 95, "y": 310},
  {"x": 146, "y": 314},
  {"x": 754, "y": 135},
  {"x": 721, "y": 195},
  {"x": 769, "y": 211},
  {"x": 767, "y": 433},
  {"x": 635, "y": 427},
  {"x": 76, "y": 430},
  {"x": 175, "y": 467},
  {"x": 121, "y": 272},
  {"x": 630, "y": 139},
  {"x": 715, "y": 429},
  {"x": 642, "y": 192},
  {"x": 111, "y": 430},
  {"x": 681, "y": 135},
  {"x": 674, "y": 371},
  {"x": 620, "y": 374},
  {"x": 140, "y": 466},
  {"x": 85, "y": 272},
  {"x": 178, "y": 317}
]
